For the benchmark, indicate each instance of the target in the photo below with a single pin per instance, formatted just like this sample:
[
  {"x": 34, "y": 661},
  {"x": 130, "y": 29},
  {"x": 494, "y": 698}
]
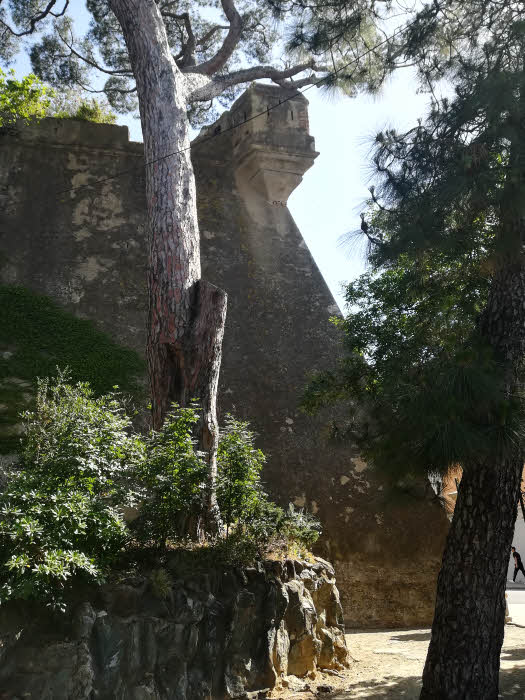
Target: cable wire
[{"x": 235, "y": 126}]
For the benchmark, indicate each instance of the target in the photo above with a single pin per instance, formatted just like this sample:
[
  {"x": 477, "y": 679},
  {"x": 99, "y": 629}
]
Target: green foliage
[
  {"x": 422, "y": 389},
  {"x": 36, "y": 336},
  {"x": 172, "y": 477},
  {"x": 82, "y": 462},
  {"x": 266, "y": 524},
  {"x": 301, "y": 527},
  {"x": 59, "y": 514},
  {"x": 427, "y": 385},
  {"x": 30, "y": 99},
  {"x": 239, "y": 466},
  {"x": 161, "y": 583},
  {"x": 271, "y": 529},
  {"x": 72, "y": 104},
  {"x": 27, "y": 99},
  {"x": 93, "y": 111},
  {"x": 259, "y": 524},
  {"x": 341, "y": 34}
]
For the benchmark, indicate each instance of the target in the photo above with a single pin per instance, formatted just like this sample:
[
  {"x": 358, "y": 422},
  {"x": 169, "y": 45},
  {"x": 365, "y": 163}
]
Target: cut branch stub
[{"x": 188, "y": 370}]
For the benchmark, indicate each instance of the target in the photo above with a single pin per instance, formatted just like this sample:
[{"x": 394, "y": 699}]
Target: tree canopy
[
  {"x": 216, "y": 48},
  {"x": 435, "y": 334},
  {"x": 26, "y": 98},
  {"x": 438, "y": 231}
]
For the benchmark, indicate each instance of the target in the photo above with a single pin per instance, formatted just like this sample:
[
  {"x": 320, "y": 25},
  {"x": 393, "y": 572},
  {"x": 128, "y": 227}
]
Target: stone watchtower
[{"x": 91, "y": 258}]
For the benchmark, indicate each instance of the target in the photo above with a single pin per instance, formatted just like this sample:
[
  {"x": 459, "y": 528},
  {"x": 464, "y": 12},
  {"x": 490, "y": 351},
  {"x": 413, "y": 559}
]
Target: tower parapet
[{"x": 272, "y": 146}]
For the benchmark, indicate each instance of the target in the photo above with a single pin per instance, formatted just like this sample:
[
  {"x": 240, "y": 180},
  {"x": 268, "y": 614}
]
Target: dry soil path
[{"x": 388, "y": 664}]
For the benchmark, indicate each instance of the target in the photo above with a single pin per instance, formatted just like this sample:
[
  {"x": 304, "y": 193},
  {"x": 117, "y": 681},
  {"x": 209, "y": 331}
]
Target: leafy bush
[
  {"x": 266, "y": 522},
  {"x": 30, "y": 99},
  {"x": 81, "y": 462},
  {"x": 59, "y": 515},
  {"x": 239, "y": 466},
  {"x": 172, "y": 477},
  {"x": 161, "y": 583},
  {"x": 72, "y": 104},
  {"x": 272, "y": 528},
  {"x": 260, "y": 525},
  {"x": 301, "y": 527},
  {"x": 25, "y": 99}
]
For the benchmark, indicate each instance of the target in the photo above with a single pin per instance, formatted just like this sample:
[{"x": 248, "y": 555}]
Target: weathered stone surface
[
  {"x": 224, "y": 636},
  {"x": 87, "y": 250}
]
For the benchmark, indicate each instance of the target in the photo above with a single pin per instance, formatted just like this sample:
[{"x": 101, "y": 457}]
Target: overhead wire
[{"x": 206, "y": 139}]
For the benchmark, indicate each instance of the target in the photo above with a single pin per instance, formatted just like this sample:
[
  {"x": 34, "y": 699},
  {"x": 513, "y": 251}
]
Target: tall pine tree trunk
[
  {"x": 463, "y": 659},
  {"x": 186, "y": 314},
  {"x": 467, "y": 633}
]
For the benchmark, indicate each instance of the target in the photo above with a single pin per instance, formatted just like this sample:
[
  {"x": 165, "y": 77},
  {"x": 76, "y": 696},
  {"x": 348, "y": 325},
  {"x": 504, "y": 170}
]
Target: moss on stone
[{"x": 36, "y": 336}]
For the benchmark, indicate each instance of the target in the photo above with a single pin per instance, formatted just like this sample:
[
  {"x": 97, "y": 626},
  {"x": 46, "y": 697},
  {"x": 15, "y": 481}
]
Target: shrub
[
  {"x": 301, "y": 527},
  {"x": 59, "y": 516},
  {"x": 71, "y": 104},
  {"x": 239, "y": 466},
  {"x": 25, "y": 99},
  {"x": 161, "y": 583},
  {"x": 30, "y": 99},
  {"x": 259, "y": 523},
  {"x": 173, "y": 479},
  {"x": 272, "y": 527},
  {"x": 81, "y": 462}
]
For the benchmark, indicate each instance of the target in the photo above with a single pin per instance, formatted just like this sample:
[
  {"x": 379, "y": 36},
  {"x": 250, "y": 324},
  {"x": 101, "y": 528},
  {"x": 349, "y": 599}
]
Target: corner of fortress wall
[{"x": 87, "y": 250}]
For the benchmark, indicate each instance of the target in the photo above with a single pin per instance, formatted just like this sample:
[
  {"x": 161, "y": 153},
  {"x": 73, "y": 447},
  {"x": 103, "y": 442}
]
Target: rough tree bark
[
  {"x": 186, "y": 315},
  {"x": 463, "y": 659},
  {"x": 467, "y": 633}
]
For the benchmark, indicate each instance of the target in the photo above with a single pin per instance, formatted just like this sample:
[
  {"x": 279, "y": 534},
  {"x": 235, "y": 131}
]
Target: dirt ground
[{"x": 388, "y": 664}]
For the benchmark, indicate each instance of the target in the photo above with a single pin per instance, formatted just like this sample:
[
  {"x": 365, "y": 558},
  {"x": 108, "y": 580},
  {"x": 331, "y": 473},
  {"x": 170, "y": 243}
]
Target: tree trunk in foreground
[
  {"x": 467, "y": 633},
  {"x": 186, "y": 315}
]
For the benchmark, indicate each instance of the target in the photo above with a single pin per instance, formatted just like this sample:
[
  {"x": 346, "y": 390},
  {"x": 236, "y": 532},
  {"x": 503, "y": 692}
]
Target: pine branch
[
  {"x": 229, "y": 44},
  {"x": 188, "y": 47},
  {"x": 203, "y": 88},
  {"x": 33, "y": 22},
  {"x": 89, "y": 61},
  {"x": 206, "y": 38}
]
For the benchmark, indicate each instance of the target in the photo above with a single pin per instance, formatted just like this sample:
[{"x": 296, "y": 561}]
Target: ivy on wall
[{"x": 36, "y": 336}]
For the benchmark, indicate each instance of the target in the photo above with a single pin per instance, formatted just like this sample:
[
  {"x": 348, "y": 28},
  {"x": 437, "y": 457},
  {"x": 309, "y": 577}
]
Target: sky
[{"x": 327, "y": 203}]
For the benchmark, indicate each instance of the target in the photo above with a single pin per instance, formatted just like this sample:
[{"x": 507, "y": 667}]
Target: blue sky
[{"x": 328, "y": 202}]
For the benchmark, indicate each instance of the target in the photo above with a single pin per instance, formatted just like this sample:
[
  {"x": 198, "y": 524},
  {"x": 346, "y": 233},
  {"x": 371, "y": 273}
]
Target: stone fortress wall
[{"x": 87, "y": 250}]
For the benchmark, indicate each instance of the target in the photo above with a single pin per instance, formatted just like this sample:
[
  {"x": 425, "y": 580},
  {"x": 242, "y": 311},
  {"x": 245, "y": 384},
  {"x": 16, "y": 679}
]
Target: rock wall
[
  {"x": 86, "y": 248},
  {"x": 226, "y": 634}
]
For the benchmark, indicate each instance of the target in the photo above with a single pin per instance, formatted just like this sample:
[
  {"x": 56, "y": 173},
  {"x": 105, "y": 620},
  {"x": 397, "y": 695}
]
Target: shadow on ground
[
  {"x": 512, "y": 683},
  {"x": 513, "y": 654},
  {"x": 389, "y": 687},
  {"x": 415, "y": 637}
]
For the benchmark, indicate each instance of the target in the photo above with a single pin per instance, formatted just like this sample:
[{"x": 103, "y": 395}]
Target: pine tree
[
  {"x": 442, "y": 371},
  {"x": 175, "y": 61}
]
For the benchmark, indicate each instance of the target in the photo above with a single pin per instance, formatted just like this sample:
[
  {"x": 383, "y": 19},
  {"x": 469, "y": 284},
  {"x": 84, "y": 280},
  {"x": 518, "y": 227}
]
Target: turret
[{"x": 272, "y": 146}]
